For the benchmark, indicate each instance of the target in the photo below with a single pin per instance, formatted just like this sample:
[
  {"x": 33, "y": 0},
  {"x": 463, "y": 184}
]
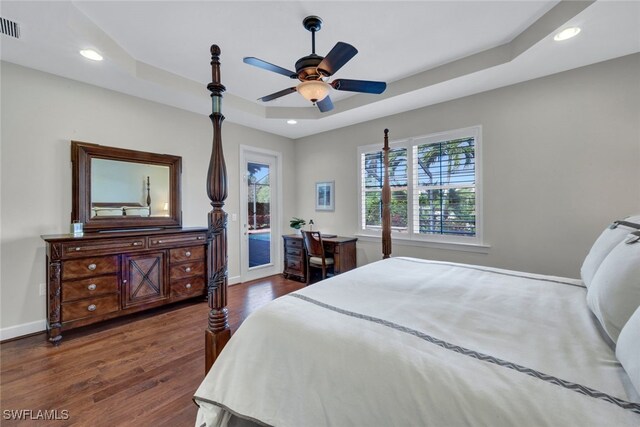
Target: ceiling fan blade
[
  {"x": 325, "y": 105},
  {"x": 269, "y": 67},
  {"x": 339, "y": 55},
  {"x": 364, "y": 86},
  {"x": 278, "y": 94}
]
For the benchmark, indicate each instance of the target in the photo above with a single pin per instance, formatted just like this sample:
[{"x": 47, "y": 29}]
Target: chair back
[{"x": 313, "y": 243}]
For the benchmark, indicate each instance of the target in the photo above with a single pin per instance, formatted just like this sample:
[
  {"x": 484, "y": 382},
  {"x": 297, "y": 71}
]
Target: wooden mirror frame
[{"x": 81, "y": 155}]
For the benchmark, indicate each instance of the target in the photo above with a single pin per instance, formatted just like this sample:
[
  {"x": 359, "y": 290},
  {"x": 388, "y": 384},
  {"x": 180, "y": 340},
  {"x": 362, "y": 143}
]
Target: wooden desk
[{"x": 342, "y": 249}]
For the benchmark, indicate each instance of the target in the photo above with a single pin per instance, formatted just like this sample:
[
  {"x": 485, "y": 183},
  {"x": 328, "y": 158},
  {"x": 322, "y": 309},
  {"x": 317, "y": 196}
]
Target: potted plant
[{"x": 297, "y": 223}]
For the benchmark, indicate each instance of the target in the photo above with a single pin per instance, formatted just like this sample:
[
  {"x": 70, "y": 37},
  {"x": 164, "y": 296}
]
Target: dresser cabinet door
[{"x": 143, "y": 279}]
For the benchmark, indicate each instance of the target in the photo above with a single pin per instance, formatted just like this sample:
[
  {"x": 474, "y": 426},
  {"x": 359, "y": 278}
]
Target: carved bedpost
[
  {"x": 386, "y": 200},
  {"x": 218, "y": 332},
  {"x": 149, "y": 195}
]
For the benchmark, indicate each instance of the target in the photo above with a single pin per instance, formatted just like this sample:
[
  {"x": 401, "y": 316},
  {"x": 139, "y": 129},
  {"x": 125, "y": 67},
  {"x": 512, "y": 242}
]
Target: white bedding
[{"x": 407, "y": 342}]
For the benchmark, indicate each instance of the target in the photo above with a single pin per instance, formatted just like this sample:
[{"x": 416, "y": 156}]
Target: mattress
[{"x": 404, "y": 342}]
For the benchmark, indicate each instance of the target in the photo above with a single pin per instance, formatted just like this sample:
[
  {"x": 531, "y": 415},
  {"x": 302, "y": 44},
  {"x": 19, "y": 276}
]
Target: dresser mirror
[{"x": 116, "y": 188}]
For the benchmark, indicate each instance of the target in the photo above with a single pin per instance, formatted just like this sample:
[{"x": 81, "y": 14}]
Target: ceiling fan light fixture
[
  {"x": 313, "y": 70},
  {"x": 314, "y": 90}
]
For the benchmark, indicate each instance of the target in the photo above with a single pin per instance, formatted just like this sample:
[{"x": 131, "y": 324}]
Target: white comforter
[{"x": 408, "y": 342}]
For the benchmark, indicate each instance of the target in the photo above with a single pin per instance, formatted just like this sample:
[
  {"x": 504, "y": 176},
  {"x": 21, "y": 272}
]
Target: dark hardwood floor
[{"x": 141, "y": 370}]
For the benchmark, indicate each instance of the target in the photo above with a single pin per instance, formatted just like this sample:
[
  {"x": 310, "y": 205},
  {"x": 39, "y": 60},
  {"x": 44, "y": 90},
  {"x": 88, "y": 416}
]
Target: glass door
[{"x": 259, "y": 215}]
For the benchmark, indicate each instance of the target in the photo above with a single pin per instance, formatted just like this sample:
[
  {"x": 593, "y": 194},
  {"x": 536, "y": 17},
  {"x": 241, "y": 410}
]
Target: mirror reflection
[
  {"x": 117, "y": 189},
  {"x": 129, "y": 189}
]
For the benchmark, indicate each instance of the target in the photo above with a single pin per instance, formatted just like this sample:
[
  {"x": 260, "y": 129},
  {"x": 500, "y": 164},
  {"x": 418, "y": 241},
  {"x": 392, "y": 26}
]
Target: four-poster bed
[
  {"x": 405, "y": 341},
  {"x": 218, "y": 332}
]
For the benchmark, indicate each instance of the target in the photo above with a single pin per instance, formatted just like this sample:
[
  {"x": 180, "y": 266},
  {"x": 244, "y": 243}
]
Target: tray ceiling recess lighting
[
  {"x": 566, "y": 34},
  {"x": 91, "y": 54}
]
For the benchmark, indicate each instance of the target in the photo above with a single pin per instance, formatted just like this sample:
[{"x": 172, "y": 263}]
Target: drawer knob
[
  {"x": 188, "y": 269},
  {"x": 187, "y": 253},
  {"x": 137, "y": 243},
  {"x": 200, "y": 238},
  {"x": 160, "y": 241},
  {"x": 91, "y": 267},
  {"x": 77, "y": 248},
  {"x": 124, "y": 281},
  {"x": 92, "y": 287},
  {"x": 188, "y": 286},
  {"x": 92, "y": 307}
]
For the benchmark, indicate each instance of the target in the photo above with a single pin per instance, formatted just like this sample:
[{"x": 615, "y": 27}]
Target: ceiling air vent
[{"x": 9, "y": 28}]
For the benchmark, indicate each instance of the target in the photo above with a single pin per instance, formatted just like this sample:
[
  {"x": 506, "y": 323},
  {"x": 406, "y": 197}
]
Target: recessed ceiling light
[
  {"x": 91, "y": 54},
  {"x": 567, "y": 33},
  {"x": 291, "y": 122}
]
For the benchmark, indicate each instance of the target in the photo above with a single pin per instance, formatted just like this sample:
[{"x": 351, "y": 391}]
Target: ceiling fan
[{"x": 313, "y": 71}]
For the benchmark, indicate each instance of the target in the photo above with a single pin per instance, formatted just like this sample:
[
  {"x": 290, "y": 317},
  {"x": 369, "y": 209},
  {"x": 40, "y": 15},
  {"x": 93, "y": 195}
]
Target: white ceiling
[{"x": 427, "y": 51}]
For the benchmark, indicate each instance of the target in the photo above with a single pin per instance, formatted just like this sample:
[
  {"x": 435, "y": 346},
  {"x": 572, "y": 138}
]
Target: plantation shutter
[
  {"x": 372, "y": 175},
  {"x": 444, "y": 187}
]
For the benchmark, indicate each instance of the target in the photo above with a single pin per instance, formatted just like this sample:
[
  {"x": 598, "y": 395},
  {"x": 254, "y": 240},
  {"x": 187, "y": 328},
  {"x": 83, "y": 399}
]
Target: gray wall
[
  {"x": 561, "y": 160},
  {"x": 40, "y": 114}
]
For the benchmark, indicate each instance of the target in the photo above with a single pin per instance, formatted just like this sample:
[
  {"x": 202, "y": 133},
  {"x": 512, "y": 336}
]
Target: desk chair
[{"x": 315, "y": 254}]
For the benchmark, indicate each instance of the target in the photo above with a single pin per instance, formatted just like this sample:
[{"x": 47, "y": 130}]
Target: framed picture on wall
[{"x": 325, "y": 196}]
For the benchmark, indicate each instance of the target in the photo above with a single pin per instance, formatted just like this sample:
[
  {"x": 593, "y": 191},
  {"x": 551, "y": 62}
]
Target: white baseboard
[
  {"x": 21, "y": 330},
  {"x": 233, "y": 280}
]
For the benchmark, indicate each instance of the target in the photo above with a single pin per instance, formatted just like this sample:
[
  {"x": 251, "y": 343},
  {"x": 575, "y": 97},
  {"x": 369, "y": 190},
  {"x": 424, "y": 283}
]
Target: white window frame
[{"x": 411, "y": 238}]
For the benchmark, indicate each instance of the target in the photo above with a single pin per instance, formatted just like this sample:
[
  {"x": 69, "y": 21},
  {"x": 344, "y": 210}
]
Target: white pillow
[
  {"x": 108, "y": 211},
  {"x": 601, "y": 248},
  {"x": 614, "y": 293},
  {"x": 137, "y": 210},
  {"x": 628, "y": 349}
]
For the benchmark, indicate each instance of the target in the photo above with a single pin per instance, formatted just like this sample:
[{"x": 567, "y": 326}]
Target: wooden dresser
[
  {"x": 342, "y": 249},
  {"x": 104, "y": 275}
]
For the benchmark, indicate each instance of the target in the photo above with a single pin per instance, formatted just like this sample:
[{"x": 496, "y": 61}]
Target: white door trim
[{"x": 276, "y": 226}]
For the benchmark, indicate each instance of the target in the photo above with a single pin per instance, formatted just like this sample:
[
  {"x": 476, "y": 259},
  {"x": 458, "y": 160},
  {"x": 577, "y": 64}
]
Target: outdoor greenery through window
[
  {"x": 372, "y": 189},
  {"x": 434, "y": 186}
]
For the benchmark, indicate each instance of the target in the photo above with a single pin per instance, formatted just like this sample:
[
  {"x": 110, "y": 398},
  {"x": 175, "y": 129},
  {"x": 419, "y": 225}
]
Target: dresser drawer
[
  {"x": 187, "y": 269},
  {"x": 293, "y": 264},
  {"x": 294, "y": 252},
  {"x": 192, "y": 253},
  {"x": 78, "y": 249},
  {"x": 87, "y": 288},
  {"x": 89, "y": 307},
  {"x": 183, "y": 288},
  {"x": 293, "y": 243},
  {"x": 176, "y": 239},
  {"x": 86, "y": 267}
]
